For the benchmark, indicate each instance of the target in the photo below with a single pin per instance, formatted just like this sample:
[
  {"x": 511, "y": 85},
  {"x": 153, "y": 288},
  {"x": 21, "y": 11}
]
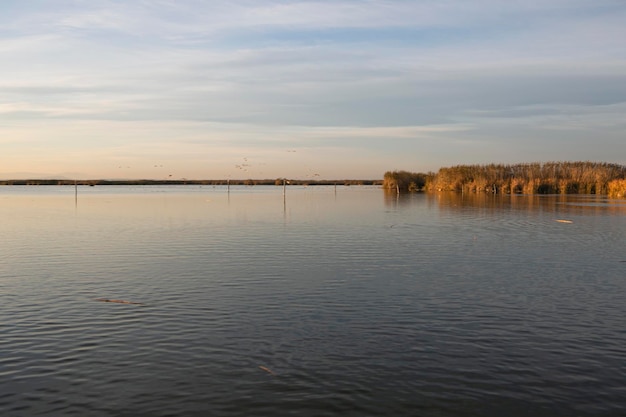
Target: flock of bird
[{"x": 243, "y": 166}]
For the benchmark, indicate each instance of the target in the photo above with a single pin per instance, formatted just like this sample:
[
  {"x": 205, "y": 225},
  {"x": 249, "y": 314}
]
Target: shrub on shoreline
[{"x": 404, "y": 181}]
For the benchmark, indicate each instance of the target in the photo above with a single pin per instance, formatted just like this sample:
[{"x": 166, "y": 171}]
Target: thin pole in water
[
  {"x": 285, "y": 182},
  {"x": 228, "y": 184},
  {"x": 284, "y": 196}
]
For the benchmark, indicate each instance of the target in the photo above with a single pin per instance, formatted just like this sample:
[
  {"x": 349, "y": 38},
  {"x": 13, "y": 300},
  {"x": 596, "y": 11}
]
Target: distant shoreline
[{"x": 248, "y": 182}]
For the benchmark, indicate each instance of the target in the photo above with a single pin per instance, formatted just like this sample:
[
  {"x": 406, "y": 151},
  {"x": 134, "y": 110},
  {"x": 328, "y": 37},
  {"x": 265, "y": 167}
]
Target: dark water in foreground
[{"x": 360, "y": 304}]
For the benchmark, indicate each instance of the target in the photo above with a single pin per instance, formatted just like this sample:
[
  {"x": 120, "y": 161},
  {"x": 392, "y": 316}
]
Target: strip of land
[
  {"x": 581, "y": 177},
  {"x": 93, "y": 182}
]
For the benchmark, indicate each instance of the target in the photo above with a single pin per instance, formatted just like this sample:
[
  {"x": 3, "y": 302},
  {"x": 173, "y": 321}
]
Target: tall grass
[
  {"x": 617, "y": 188},
  {"x": 580, "y": 177}
]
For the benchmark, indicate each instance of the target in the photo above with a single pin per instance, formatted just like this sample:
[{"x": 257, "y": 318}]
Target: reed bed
[{"x": 581, "y": 177}]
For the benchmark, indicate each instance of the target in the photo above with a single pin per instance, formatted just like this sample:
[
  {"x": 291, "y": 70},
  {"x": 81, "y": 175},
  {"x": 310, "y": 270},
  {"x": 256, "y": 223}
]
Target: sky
[{"x": 326, "y": 89}]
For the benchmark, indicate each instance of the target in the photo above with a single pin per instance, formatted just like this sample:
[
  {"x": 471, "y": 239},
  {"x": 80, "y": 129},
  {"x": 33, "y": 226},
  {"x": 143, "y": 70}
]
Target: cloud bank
[{"x": 356, "y": 87}]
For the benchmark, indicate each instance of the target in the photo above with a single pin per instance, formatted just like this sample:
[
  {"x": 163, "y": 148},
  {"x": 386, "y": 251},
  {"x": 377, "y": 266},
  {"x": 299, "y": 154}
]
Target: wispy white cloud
[{"x": 345, "y": 75}]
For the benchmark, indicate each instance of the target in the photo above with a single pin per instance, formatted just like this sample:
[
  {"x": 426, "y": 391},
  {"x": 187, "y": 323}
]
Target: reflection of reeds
[{"x": 577, "y": 205}]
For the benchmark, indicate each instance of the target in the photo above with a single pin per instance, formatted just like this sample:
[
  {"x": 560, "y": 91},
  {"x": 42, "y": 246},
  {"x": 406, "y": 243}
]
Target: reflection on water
[
  {"x": 359, "y": 302},
  {"x": 589, "y": 204}
]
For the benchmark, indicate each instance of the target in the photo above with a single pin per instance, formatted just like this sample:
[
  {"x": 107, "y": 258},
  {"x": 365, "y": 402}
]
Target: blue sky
[{"x": 341, "y": 89}]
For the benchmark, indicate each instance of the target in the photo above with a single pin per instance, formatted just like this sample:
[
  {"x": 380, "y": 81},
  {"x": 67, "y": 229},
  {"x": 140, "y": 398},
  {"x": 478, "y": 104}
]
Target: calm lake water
[{"x": 327, "y": 303}]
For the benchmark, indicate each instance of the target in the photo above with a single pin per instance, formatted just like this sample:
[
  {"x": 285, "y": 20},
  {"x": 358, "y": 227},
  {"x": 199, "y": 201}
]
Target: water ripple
[{"x": 454, "y": 310}]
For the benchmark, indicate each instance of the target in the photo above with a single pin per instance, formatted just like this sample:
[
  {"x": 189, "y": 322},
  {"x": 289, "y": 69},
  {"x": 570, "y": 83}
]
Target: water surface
[{"x": 360, "y": 303}]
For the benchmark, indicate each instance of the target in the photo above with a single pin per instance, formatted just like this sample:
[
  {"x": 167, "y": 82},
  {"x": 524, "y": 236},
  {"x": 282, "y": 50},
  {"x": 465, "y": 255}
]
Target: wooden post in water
[
  {"x": 228, "y": 185},
  {"x": 284, "y": 196},
  {"x": 75, "y": 192}
]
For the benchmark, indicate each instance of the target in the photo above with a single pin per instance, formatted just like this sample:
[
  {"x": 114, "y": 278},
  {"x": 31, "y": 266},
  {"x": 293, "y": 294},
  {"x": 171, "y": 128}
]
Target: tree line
[{"x": 581, "y": 177}]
